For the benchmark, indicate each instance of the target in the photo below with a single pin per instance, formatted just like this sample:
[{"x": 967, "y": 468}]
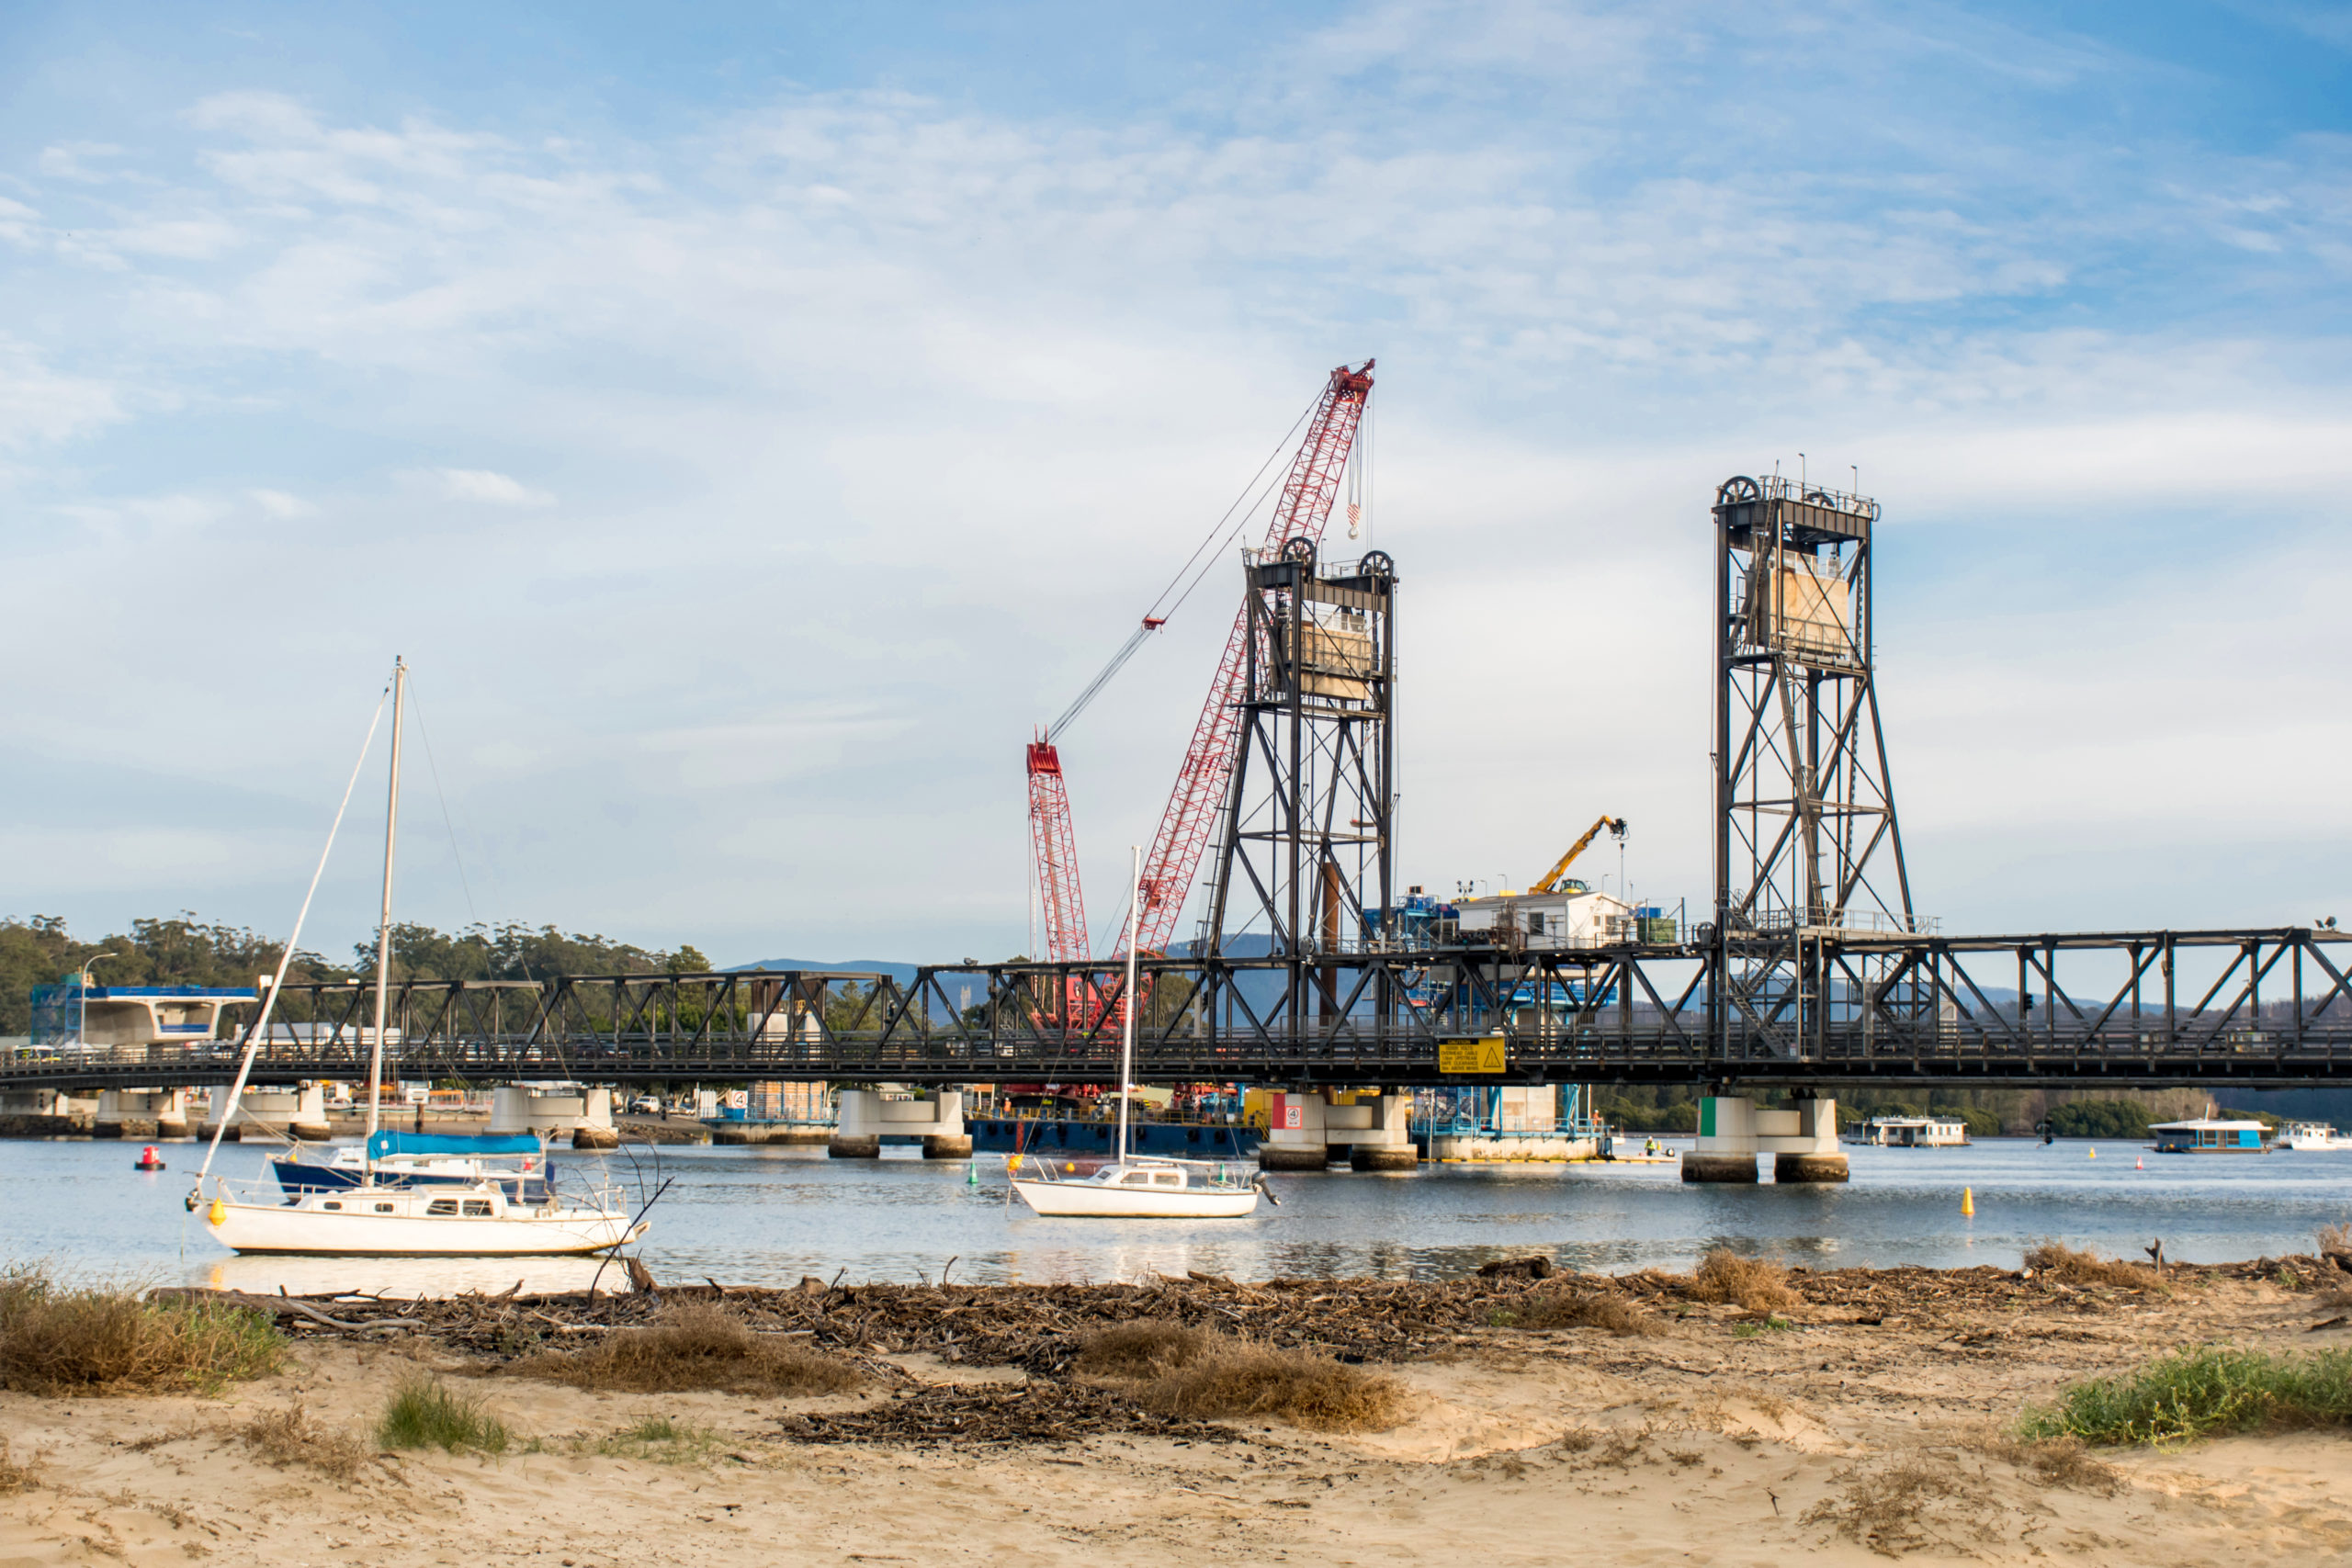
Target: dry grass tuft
[
  {"x": 1588, "y": 1309},
  {"x": 2059, "y": 1261},
  {"x": 1911, "y": 1504},
  {"x": 1297, "y": 1386},
  {"x": 2337, "y": 1237},
  {"x": 2057, "y": 1462},
  {"x": 99, "y": 1339},
  {"x": 292, "y": 1436},
  {"x": 1149, "y": 1347},
  {"x": 1751, "y": 1283},
  {"x": 697, "y": 1345},
  {"x": 1196, "y": 1375},
  {"x": 16, "y": 1475}
]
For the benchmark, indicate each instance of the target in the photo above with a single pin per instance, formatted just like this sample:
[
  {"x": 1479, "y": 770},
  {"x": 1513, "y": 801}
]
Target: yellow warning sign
[{"x": 1471, "y": 1056}]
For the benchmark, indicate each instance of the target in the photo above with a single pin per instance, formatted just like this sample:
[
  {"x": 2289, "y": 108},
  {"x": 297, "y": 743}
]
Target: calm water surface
[{"x": 769, "y": 1216}]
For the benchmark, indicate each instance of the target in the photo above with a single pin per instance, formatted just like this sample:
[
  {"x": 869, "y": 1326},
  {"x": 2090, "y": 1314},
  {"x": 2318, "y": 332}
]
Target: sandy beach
[{"x": 1871, "y": 1419}]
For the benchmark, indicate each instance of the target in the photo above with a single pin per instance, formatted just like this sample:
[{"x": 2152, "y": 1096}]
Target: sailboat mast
[
  {"x": 1127, "y": 1035},
  {"x": 384, "y": 921}
]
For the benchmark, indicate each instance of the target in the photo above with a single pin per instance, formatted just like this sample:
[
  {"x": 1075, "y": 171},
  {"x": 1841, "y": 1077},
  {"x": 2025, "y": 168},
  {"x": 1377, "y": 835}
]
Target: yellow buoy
[
  {"x": 1968, "y": 1202},
  {"x": 1068, "y": 1166},
  {"x": 2094, "y": 1153},
  {"x": 1012, "y": 1164},
  {"x": 218, "y": 1213}
]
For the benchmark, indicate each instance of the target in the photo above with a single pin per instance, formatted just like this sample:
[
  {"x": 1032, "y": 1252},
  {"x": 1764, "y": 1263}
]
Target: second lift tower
[{"x": 1808, "y": 853}]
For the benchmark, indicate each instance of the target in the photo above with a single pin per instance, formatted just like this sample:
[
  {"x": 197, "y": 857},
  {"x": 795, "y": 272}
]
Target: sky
[{"x": 749, "y": 421}]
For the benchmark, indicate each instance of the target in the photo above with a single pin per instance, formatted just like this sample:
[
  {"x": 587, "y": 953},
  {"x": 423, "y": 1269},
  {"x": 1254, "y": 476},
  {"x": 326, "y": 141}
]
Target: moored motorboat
[
  {"x": 2310, "y": 1136},
  {"x": 1140, "y": 1187},
  {"x": 519, "y": 1163}
]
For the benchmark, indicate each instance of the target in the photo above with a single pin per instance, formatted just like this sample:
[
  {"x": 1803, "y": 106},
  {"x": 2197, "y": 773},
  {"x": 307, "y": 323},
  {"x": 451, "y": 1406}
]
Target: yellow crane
[{"x": 1616, "y": 825}]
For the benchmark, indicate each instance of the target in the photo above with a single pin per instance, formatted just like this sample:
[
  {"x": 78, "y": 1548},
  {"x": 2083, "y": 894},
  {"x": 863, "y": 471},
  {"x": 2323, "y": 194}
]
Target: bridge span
[{"x": 2119, "y": 1010}]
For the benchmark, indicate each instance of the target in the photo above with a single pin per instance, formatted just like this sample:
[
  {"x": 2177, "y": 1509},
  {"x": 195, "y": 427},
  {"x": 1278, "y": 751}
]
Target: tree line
[{"x": 186, "y": 950}]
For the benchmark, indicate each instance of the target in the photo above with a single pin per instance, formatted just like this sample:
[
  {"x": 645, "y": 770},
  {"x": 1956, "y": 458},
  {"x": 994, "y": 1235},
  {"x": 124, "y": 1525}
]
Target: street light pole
[{"x": 81, "y": 997}]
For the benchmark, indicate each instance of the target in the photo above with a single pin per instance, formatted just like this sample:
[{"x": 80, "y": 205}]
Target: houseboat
[
  {"x": 2210, "y": 1135},
  {"x": 1910, "y": 1132}
]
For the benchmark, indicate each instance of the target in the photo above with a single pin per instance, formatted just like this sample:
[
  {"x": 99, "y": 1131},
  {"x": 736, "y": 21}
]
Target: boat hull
[
  {"x": 261, "y": 1228},
  {"x": 1087, "y": 1199}
]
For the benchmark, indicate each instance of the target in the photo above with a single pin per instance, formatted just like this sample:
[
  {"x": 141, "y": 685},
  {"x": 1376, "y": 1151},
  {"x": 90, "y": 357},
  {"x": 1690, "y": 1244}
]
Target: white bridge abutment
[
  {"x": 1307, "y": 1129},
  {"x": 297, "y": 1112},
  {"x": 140, "y": 1113},
  {"x": 868, "y": 1117},
  {"x": 586, "y": 1114},
  {"x": 1734, "y": 1130}
]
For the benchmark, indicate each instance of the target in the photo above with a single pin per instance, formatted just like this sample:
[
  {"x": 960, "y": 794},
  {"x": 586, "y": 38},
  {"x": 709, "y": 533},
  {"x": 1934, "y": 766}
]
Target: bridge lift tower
[
  {"x": 1808, "y": 853},
  {"x": 1306, "y": 848}
]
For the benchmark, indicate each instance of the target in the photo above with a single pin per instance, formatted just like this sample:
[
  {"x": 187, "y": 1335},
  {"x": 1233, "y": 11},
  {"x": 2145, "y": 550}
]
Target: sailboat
[
  {"x": 1132, "y": 1187},
  {"x": 398, "y": 1204}
]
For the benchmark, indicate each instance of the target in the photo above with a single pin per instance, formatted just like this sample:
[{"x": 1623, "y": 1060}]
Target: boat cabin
[
  {"x": 2208, "y": 1134},
  {"x": 482, "y": 1202},
  {"x": 1914, "y": 1132}
]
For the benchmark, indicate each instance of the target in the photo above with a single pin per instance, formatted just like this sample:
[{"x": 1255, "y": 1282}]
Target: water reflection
[{"x": 772, "y": 1216}]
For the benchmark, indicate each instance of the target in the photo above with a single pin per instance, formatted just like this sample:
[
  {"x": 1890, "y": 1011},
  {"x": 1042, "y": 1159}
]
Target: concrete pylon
[
  {"x": 1733, "y": 1130},
  {"x": 586, "y": 1114},
  {"x": 865, "y": 1119},
  {"x": 300, "y": 1113}
]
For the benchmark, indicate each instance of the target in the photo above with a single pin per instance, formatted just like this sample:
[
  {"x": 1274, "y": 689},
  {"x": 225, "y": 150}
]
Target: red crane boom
[
  {"x": 1056, "y": 848},
  {"x": 1191, "y": 815}
]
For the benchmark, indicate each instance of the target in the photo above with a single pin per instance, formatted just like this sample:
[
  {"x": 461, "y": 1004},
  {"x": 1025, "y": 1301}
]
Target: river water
[{"x": 770, "y": 1216}]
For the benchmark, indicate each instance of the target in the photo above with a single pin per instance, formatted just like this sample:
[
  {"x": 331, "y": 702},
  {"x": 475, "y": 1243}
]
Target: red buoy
[{"x": 148, "y": 1159}]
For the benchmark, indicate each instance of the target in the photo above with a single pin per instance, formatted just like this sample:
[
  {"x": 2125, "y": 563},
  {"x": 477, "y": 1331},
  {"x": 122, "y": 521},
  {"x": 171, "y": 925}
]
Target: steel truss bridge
[{"x": 2111, "y": 1009}]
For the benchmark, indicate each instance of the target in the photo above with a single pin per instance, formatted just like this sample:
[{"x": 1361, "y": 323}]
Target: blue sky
[{"x": 748, "y": 425}]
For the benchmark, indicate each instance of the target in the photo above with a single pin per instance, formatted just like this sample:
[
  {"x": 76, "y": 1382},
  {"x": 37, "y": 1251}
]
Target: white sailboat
[
  {"x": 395, "y": 1216},
  {"x": 1140, "y": 1187}
]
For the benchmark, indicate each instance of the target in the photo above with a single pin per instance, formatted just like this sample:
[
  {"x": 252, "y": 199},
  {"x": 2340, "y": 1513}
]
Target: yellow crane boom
[{"x": 1616, "y": 825}]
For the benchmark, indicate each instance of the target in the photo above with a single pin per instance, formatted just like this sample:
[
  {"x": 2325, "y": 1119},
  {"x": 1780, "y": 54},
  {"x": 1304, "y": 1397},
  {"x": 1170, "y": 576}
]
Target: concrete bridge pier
[
  {"x": 140, "y": 1113},
  {"x": 586, "y": 1114},
  {"x": 303, "y": 1112},
  {"x": 1305, "y": 1132},
  {"x": 865, "y": 1119},
  {"x": 1733, "y": 1131}
]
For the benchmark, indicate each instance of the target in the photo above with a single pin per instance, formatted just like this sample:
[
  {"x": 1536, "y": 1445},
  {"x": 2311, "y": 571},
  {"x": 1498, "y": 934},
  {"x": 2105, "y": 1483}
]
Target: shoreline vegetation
[{"x": 2079, "y": 1405}]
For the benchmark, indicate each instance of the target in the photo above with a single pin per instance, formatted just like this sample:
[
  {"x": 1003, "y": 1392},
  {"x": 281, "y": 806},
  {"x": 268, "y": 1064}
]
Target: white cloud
[
  {"x": 488, "y": 488},
  {"x": 74, "y": 160},
  {"x": 279, "y": 504},
  {"x": 42, "y": 405}
]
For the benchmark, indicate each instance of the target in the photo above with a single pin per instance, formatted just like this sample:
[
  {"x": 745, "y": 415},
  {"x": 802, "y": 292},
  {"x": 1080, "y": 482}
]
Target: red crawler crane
[
  {"x": 1191, "y": 816},
  {"x": 1301, "y": 512}
]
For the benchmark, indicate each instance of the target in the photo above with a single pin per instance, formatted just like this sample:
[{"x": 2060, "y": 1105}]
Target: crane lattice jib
[
  {"x": 1191, "y": 812},
  {"x": 1055, "y": 843}
]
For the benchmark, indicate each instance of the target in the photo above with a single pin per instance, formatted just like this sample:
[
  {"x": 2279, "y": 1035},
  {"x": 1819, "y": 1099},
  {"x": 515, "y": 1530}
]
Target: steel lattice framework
[
  {"x": 1808, "y": 845},
  {"x": 1306, "y": 848}
]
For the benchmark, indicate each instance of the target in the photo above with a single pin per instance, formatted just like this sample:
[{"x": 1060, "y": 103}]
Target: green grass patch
[
  {"x": 98, "y": 1338},
  {"x": 660, "y": 1441},
  {"x": 426, "y": 1413},
  {"x": 2203, "y": 1392}
]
